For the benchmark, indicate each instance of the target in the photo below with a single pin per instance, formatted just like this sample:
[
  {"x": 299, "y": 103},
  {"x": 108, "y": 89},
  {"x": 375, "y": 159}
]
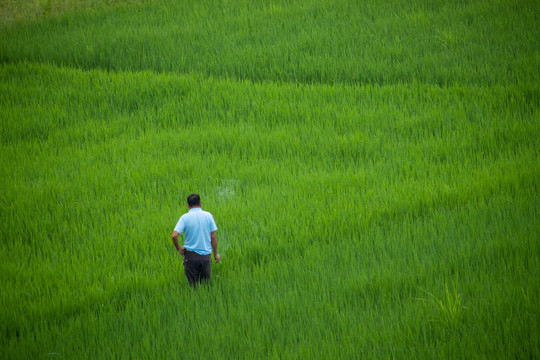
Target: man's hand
[
  {"x": 213, "y": 241},
  {"x": 182, "y": 251}
]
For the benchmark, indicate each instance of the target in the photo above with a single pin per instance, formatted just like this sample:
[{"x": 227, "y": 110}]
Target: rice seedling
[{"x": 448, "y": 308}]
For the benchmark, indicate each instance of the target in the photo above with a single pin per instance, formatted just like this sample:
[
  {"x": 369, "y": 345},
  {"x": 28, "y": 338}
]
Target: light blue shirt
[{"x": 198, "y": 224}]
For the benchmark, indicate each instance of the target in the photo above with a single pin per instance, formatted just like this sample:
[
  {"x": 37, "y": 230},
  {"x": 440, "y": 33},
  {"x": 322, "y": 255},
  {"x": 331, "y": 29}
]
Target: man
[{"x": 200, "y": 240}]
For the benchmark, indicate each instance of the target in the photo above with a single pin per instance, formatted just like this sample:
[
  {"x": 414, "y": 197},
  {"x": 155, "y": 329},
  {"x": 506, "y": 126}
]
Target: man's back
[{"x": 197, "y": 225}]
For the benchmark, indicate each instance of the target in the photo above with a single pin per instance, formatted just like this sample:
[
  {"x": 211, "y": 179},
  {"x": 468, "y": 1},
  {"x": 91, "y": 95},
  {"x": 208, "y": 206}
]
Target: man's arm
[
  {"x": 179, "y": 248},
  {"x": 213, "y": 237}
]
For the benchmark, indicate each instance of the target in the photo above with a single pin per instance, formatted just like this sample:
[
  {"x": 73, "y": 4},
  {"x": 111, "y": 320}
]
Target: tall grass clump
[{"x": 372, "y": 168}]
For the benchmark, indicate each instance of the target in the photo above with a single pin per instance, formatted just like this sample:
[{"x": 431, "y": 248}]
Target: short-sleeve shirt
[{"x": 197, "y": 225}]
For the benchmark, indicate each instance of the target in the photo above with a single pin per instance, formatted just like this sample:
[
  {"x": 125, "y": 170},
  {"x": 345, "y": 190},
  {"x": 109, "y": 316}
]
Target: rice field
[{"x": 373, "y": 169}]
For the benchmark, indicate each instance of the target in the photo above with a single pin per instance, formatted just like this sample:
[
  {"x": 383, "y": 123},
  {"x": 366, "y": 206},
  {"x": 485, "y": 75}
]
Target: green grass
[
  {"x": 435, "y": 42},
  {"x": 367, "y": 208}
]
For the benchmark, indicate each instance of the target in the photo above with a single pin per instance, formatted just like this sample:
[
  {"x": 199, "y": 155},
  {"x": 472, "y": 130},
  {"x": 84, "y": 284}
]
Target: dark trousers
[{"x": 197, "y": 267}]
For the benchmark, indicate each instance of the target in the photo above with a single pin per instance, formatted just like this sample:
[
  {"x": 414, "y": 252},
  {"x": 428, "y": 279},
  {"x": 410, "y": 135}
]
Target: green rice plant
[
  {"x": 349, "y": 159},
  {"x": 308, "y": 42},
  {"x": 448, "y": 309}
]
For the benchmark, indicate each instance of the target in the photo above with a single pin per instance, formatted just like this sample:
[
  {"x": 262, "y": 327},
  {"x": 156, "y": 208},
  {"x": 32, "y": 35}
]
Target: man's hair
[{"x": 194, "y": 200}]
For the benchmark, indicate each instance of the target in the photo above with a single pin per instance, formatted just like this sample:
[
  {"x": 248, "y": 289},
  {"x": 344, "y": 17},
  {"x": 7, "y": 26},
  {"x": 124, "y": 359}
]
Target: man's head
[{"x": 193, "y": 200}]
